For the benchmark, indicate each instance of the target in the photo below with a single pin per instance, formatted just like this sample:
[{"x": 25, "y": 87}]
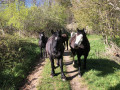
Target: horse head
[
  {"x": 52, "y": 32},
  {"x": 57, "y": 42},
  {"x": 79, "y": 38},
  {"x": 41, "y": 35}
]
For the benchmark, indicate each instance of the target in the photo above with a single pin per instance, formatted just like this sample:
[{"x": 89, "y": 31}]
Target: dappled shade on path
[{"x": 72, "y": 73}]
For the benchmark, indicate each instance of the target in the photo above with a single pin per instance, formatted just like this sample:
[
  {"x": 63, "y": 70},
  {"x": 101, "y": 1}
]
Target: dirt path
[
  {"x": 75, "y": 81},
  {"x": 34, "y": 77}
]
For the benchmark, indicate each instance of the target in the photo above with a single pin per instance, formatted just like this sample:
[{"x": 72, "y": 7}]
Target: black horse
[
  {"x": 65, "y": 39},
  {"x": 55, "y": 50},
  {"x": 80, "y": 45},
  {"x": 42, "y": 44}
]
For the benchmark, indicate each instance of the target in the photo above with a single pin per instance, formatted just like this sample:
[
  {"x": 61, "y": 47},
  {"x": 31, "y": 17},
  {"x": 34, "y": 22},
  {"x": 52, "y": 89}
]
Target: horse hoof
[
  {"x": 64, "y": 79},
  {"x": 73, "y": 63},
  {"x": 79, "y": 76},
  {"x": 54, "y": 67},
  {"x": 52, "y": 75},
  {"x": 57, "y": 65}
]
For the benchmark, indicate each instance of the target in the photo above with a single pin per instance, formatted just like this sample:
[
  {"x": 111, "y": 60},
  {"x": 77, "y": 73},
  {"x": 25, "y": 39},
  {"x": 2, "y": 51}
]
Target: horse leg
[
  {"x": 64, "y": 43},
  {"x": 52, "y": 67},
  {"x": 41, "y": 51},
  {"x": 45, "y": 53},
  {"x": 73, "y": 54},
  {"x": 63, "y": 77},
  {"x": 67, "y": 44},
  {"x": 58, "y": 63},
  {"x": 79, "y": 65},
  {"x": 73, "y": 60},
  {"x": 85, "y": 58}
]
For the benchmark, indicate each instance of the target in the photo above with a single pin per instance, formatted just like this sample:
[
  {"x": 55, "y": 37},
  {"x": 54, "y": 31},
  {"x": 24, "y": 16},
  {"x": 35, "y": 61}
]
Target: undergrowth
[{"x": 17, "y": 58}]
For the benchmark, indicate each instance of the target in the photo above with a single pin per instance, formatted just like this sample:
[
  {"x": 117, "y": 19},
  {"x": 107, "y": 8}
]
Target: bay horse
[
  {"x": 42, "y": 44},
  {"x": 80, "y": 45},
  {"x": 55, "y": 50},
  {"x": 65, "y": 39}
]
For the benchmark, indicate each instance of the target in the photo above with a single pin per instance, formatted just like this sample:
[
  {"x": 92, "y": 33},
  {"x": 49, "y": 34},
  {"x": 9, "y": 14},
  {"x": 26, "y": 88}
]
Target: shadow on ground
[
  {"x": 105, "y": 66},
  {"x": 117, "y": 87},
  {"x": 67, "y": 53}
]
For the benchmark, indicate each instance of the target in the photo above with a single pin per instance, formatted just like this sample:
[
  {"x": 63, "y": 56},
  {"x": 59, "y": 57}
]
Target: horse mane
[
  {"x": 72, "y": 40},
  {"x": 85, "y": 39}
]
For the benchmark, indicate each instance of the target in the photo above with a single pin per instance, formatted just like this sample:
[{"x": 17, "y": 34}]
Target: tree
[
  {"x": 46, "y": 17},
  {"x": 102, "y": 16}
]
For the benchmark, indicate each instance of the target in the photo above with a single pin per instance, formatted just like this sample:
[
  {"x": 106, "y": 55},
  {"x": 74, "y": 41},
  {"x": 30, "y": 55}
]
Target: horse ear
[
  {"x": 60, "y": 32},
  {"x": 52, "y": 32},
  {"x": 77, "y": 30},
  {"x": 84, "y": 30},
  {"x": 40, "y": 32}
]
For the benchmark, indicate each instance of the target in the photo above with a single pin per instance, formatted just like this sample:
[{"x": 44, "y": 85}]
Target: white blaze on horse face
[
  {"x": 79, "y": 39},
  {"x": 41, "y": 34},
  {"x": 56, "y": 38}
]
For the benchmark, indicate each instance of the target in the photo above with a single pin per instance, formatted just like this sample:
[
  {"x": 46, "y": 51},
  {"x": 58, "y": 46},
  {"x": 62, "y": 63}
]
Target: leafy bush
[
  {"x": 43, "y": 18},
  {"x": 17, "y": 57}
]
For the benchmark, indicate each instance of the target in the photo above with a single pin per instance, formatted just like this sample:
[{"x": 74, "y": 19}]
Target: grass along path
[
  {"x": 55, "y": 83},
  {"x": 35, "y": 75},
  {"x": 101, "y": 73}
]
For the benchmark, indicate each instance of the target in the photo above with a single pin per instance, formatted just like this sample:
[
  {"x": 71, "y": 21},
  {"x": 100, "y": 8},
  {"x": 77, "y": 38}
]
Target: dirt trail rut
[
  {"x": 75, "y": 81},
  {"x": 34, "y": 77}
]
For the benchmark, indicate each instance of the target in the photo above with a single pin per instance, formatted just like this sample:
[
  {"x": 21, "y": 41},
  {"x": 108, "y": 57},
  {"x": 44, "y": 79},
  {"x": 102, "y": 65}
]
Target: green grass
[
  {"x": 101, "y": 73},
  {"x": 18, "y": 55},
  {"x": 55, "y": 83},
  {"x": 17, "y": 58}
]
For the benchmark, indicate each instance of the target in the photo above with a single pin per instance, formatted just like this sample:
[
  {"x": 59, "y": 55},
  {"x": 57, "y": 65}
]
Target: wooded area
[
  {"x": 100, "y": 16},
  {"x": 19, "y": 22}
]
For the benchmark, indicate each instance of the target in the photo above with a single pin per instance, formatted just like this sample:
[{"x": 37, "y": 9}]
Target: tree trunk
[
  {"x": 106, "y": 40},
  {"x": 19, "y": 32},
  {"x": 1, "y": 25}
]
